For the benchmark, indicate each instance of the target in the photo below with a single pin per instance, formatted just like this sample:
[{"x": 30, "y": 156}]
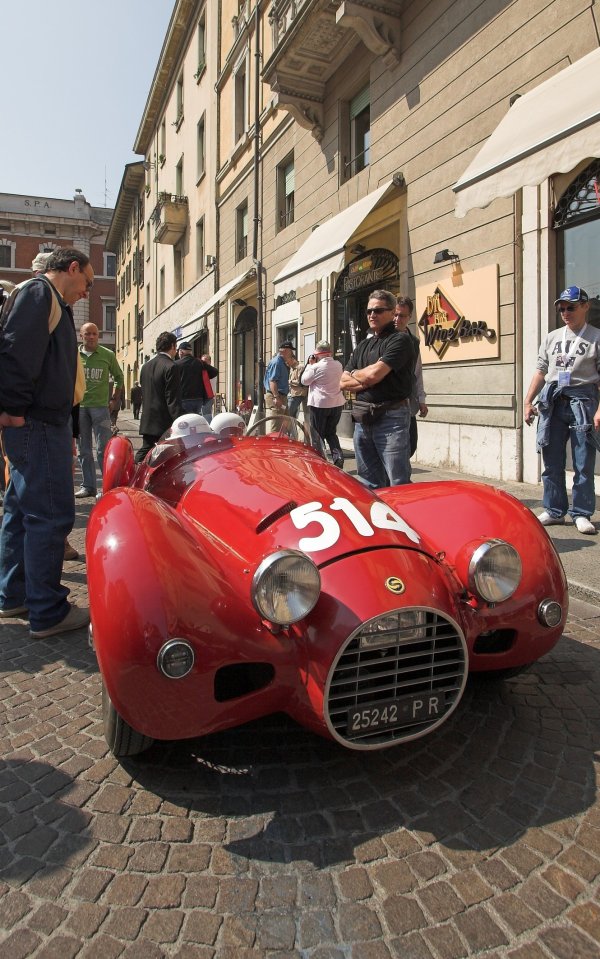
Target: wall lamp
[
  {"x": 445, "y": 256},
  {"x": 398, "y": 179},
  {"x": 358, "y": 249},
  {"x": 210, "y": 261},
  {"x": 240, "y": 302}
]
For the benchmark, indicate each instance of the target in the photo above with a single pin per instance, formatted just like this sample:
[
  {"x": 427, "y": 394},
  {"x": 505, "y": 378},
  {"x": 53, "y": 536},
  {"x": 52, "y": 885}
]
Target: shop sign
[
  {"x": 443, "y": 324},
  {"x": 362, "y": 273}
]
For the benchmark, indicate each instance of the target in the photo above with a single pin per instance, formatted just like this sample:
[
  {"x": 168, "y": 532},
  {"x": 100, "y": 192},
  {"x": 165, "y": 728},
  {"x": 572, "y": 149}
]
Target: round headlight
[
  {"x": 286, "y": 587},
  {"x": 175, "y": 659},
  {"x": 494, "y": 571}
]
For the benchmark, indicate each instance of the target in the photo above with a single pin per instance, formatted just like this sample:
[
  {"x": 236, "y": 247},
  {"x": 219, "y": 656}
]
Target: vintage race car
[{"x": 235, "y": 576}]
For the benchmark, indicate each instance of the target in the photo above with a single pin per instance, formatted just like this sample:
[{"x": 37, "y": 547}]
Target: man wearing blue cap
[{"x": 566, "y": 384}]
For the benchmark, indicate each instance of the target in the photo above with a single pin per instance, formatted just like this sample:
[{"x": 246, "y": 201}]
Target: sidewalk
[{"x": 580, "y": 555}]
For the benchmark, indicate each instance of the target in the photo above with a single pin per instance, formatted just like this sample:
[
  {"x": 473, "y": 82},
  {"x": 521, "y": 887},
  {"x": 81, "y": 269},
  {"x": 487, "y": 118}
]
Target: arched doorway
[
  {"x": 373, "y": 270},
  {"x": 577, "y": 222},
  {"x": 244, "y": 356}
]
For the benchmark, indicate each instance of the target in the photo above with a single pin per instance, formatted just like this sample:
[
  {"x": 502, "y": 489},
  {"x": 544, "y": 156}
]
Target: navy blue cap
[{"x": 572, "y": 294}]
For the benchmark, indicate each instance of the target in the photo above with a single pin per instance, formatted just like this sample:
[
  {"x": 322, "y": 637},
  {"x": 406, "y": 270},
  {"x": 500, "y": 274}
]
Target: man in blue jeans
[
  {"x": 37, "y": 381},
  {"x": 566, "y": 383},
  {"x": 380, "y": 374}
]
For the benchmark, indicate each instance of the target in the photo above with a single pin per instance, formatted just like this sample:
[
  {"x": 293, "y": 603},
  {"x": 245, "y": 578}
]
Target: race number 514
[{"x": 381, "y": 517}]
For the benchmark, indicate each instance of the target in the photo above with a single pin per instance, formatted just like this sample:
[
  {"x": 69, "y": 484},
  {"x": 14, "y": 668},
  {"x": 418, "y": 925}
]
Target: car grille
[{"x": 393, "y": 682}]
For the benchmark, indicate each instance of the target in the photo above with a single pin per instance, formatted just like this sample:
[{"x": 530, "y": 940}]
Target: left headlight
[
  {"x": 285, "y": 587},
  {"x": 495, "y": 571}
]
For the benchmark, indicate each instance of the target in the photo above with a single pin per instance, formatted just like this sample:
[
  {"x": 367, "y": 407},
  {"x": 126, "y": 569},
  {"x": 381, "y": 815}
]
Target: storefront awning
[
  {"x": 548, "y": 130},
  {"x": 221, "y": 294},
  {"x": 322, "y": 253}
]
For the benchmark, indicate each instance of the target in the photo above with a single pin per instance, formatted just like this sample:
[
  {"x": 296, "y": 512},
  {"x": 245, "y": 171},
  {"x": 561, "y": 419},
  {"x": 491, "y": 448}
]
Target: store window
[
  {"x": 577, "y": 223},
  {"x": 244, "y": 357}
]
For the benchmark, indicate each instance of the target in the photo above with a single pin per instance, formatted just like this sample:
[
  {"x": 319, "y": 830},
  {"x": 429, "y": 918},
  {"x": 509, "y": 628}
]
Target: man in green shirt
[{"x": 100, "y": 366}]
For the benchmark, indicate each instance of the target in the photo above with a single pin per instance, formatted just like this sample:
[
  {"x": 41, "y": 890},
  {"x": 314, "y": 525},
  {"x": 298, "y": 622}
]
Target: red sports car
[{"x": 235, "y": 576}]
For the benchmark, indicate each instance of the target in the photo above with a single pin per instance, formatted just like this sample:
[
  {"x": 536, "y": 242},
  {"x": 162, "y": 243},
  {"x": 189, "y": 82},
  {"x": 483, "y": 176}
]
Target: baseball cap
[
  {"x": 38, "y": 264},
  {"x": 185, "y": 346},
  {"x": 323, "y": 346},
  {"x": 286, "y": 345},
  {"x": 572, "y": 294}
]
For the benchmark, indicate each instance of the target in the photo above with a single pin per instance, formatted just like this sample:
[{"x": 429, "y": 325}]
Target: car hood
[{"x": 262, "y": 495}]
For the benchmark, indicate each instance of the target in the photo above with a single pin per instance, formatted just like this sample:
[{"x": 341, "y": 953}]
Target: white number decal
[
  {"x": 382, "y": 517},
  {"x": 302, "y": 516}
]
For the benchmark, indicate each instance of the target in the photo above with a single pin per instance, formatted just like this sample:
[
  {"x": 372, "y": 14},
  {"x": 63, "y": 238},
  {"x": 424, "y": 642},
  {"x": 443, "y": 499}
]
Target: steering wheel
[{"x": 286, "y": 427}]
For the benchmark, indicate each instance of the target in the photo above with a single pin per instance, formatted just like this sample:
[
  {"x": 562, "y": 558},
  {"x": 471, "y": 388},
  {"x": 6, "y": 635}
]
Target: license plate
[{"x": 396, "y": 712}]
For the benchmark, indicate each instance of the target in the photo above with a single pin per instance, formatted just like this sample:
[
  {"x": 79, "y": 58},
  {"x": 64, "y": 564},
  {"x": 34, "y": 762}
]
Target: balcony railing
[{"x": 170, "y": 218}]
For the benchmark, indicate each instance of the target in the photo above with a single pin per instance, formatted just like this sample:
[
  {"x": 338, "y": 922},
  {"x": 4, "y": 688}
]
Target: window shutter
[{"x": 359, "y": 102}]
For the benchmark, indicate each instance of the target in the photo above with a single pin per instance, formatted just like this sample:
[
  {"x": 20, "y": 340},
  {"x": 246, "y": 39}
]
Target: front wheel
[{"x": 122, "y": 739}]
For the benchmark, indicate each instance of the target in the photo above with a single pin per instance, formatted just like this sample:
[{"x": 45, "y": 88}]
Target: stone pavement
[{"x": 266, "y": 841}]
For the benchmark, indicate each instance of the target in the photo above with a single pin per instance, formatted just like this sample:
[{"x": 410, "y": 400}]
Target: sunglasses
[
  {"x": 568, "y": 309},
  {"x": 379, "y": 309}
]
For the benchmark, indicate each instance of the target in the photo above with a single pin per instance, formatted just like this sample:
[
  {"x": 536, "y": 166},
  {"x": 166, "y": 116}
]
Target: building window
[
  {"x": 357, "y": 146},
  {"x": 163, "y": 142},
  {"x": 241, "y": 231},
  {"x": 177, "y": 270},
  {"x": 577, "y": 224},
  {"x": 6, "y": 255},
  {"x": 161, "y": 289},
  {"x": 148, "y": 238},
  {"x": 240, "y": 110},
  {"x": 179, "y": 178},
  {"x": 200, "y": 265},
  {"x": 201, "y": 47},
  {"x": 128, "y": 277},
  {"x": 285, "y": 193},
  {"x": 110, "y": 264},
  {"x": 50, "y": 229},
  {"x": 201, "y": 148},
  {"x": 109, "y": 321},
  {"x": 179, "y": 100}
]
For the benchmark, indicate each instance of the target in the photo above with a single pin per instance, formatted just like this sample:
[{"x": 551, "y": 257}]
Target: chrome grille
[{"x": 386, "y": 663}]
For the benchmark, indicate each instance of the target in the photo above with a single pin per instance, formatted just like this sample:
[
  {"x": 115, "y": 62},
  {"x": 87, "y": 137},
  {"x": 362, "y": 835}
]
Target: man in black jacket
[
  {"x": 37, "y": 380},
  {"x": 161, "y": 391},
  {"x": 195, "y": 380},
  {"x": 380, "y": 374}
]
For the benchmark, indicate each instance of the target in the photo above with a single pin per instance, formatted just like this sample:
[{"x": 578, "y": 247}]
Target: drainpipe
[
  {"x": 518, "y": 299},
  {"x": 256, "y": 239}
]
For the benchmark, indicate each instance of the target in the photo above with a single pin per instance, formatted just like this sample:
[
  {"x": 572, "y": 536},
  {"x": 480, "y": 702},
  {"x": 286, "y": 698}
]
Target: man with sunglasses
[
  {"x": 380, "y": 375},
  {"x": 566, "y": 384}
]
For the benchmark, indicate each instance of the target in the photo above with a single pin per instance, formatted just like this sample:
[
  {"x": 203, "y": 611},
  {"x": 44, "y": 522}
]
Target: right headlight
[
  {"x": 285, "y": 587},
  {"x": 495, "y": 571}
]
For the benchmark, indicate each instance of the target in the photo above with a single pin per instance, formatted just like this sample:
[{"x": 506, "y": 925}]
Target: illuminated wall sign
[{"x": 464, "y": 327}]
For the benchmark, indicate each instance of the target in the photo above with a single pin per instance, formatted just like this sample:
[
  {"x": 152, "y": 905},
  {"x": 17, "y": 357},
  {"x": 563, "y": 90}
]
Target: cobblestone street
[{"x": 480, "y": 840}]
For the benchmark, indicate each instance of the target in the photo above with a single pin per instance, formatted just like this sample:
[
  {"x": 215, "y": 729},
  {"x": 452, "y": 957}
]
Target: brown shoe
[
  {"x": 70, "y": 551},
  {"x": 76, "y": 618}
]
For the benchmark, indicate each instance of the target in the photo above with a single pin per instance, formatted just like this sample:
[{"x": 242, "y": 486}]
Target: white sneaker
[
  {"x": 547, "y": 519},
  {"x": 584, "y": 525}
]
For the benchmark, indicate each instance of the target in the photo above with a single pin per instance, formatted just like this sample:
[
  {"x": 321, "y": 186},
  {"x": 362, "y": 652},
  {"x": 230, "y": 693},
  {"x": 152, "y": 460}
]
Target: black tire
[{"x": 122, "y": 739}]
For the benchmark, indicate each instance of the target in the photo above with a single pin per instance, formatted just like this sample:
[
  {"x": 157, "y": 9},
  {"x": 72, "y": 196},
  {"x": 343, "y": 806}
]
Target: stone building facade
[
  {"x": 34, "y": 224},
  {"x": 351, "y": 146}
]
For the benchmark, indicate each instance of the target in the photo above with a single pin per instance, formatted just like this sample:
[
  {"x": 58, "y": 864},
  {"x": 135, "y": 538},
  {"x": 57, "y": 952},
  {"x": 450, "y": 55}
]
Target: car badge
[{"x": 395, "y": 585}]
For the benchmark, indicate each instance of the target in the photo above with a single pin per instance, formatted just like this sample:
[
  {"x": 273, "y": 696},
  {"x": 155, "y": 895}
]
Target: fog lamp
[
  {"x": 175, "y": 659},
  {"x": 549, "y": 613}
]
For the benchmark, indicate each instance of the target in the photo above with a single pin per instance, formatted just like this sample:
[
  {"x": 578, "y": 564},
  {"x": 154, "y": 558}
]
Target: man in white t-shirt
[{"x": 566, "y": 385}]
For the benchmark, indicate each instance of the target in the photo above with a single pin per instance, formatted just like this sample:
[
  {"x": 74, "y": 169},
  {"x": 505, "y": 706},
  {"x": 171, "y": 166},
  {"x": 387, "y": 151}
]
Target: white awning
[
  {"x": 221, "y": 295},
  {"x": 322, "y": 253},
  {"x": 548, "y": 130}
]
